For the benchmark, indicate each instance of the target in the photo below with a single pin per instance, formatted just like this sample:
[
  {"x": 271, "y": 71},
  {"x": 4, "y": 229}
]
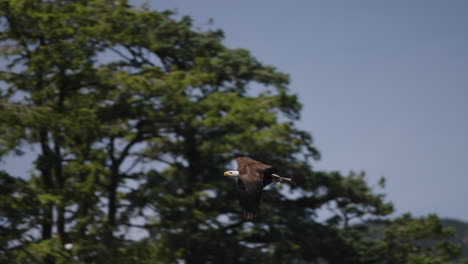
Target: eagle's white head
[{"x": 232, "y": 174}]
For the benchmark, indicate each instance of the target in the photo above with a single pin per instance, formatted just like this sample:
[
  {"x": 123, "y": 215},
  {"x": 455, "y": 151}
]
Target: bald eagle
[{"x": 252, "y": 176}]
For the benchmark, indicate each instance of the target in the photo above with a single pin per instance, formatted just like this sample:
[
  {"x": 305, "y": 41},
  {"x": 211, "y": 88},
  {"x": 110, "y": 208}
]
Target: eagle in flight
[{"x": 252, "y": 176}]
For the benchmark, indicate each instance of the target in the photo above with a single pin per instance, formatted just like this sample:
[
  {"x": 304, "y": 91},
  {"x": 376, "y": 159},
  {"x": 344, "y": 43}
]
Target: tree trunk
[
  {"x": 47, "y": 220},
  {"x": 59, "y": 178},
  {"x": 112, "y": 206},
  {"x": 47, "y": 216}
]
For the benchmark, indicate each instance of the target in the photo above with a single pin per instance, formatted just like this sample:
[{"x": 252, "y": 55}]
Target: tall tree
[{"x": 135, "y": 115}]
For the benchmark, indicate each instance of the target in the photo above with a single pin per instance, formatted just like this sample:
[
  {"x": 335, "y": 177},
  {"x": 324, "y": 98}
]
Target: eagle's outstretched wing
[{"x": 253, "y": 176}]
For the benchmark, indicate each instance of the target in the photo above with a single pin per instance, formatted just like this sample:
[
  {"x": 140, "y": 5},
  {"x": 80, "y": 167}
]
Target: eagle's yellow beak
[{"x": 226, "y": 173}]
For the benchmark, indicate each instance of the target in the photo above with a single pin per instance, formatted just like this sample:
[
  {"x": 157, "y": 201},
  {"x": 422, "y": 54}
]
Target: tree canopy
[{"x": 134, "y": 115}]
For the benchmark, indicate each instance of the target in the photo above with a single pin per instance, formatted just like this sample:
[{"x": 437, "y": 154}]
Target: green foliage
[
  {"x": 134, "y": 116},
  {"x": 461, "y": 233}
]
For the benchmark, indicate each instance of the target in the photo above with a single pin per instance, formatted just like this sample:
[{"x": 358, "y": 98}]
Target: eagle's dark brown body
[{"x": 253, "y": 177}]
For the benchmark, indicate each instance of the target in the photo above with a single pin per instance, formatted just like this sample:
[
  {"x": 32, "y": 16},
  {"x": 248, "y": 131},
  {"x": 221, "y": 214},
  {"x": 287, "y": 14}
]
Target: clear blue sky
[{"x": 384, "y": 86}]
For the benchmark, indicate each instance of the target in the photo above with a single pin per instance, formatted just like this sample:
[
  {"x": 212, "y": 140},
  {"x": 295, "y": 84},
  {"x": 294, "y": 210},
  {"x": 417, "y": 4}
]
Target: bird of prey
[{"x": 252, "y": 176}]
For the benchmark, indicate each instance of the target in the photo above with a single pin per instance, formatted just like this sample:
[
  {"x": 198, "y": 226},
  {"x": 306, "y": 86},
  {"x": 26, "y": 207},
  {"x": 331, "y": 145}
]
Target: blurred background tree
[{"x": 135, "y": 115}]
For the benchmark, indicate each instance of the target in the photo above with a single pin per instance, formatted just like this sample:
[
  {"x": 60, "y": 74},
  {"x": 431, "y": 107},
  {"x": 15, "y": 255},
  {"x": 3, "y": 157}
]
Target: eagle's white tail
[{"x": 283, "y": 179}]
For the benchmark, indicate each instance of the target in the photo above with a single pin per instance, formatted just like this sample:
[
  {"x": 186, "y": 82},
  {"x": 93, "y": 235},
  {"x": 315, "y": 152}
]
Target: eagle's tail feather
[{"x": 283, "y": 179}]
